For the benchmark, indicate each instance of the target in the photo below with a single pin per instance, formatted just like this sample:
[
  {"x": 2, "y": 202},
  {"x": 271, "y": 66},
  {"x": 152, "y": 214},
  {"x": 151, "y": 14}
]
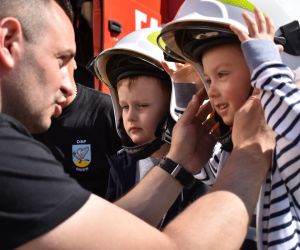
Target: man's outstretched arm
[{"x": 218, "y": 220}]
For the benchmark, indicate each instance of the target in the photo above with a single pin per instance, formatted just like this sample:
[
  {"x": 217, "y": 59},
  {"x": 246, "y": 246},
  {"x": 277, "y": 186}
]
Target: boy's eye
[
  {"x": 124, "y": 107},
  {"x": 222, "y": 74},
  {"x": 208, "y": 81},
  {"x": 143, "y": 105}
]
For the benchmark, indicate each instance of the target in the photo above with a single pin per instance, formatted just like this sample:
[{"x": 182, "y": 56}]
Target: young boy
[
  {"x": 278, "y": 223},
  {"x": 140, "y": 91},
  {"x": 228, "y": 86}
]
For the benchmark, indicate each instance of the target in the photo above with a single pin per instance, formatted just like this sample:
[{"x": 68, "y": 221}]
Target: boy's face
[
  {"x": 143, "y": 103},
  {"x": 228, "y": 79}
]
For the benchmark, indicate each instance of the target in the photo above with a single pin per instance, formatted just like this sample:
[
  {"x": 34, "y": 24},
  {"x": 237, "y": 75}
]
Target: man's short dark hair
[
  {"x": 67, "y": 7},
  {"x": 31, "y": 14}
]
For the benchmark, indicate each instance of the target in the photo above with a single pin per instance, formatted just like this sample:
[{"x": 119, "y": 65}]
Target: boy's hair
[
  {"x": 124, "y": 66},
  {"x": 165, "y": 86},
  {"x": 196, "y": 48},
  {"x": 32, "y": 14},
  {"x": 216, "y": 45}
]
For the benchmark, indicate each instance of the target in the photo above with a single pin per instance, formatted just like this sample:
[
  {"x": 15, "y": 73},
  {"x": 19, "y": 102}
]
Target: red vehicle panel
[{"x": 112, "y": 19}]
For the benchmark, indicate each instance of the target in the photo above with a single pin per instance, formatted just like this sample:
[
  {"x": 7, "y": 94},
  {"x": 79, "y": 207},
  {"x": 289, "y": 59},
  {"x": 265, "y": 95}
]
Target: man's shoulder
[
  {"x": 95, "y": 99},
  {"x": 6, "y": 119},
  {"x": 14, "y": 136},
  {"x": 8, "y": 122},
  {"x": 91, "y": 91}
]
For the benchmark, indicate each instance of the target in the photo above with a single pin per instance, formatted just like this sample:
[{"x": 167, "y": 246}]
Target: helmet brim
[{"x": 174, "y": 35}]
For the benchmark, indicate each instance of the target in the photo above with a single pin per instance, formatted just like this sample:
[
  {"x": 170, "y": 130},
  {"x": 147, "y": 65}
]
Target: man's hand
[
  {"x": 250, "y": 128},
  {"x": 192, "y": 139}
]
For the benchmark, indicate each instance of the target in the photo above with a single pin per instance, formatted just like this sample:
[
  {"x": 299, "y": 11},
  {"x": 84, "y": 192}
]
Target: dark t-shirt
[
  {"x": 123, "y": 178},
  {"x": 36, "y": 194},
  {"x": 83, "y": 136}
]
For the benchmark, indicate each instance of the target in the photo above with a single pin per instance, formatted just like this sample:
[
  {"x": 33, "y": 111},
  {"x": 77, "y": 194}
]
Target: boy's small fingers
[
  {"x": 179, "y": 65},
  {"x": 260, "y": 20},
  {"x": 167, "y": 68},
  {"x": 240, "y": 34},
  {"x": 270, "y": 26},
  {"x": 280, "y": 48},
  {"x": 251, "y": 24}
]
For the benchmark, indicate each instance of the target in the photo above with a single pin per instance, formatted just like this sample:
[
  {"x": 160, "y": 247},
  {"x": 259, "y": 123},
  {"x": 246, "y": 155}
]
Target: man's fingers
[
  {"x": 211, "y": 125},
  {"x": 191, "y": 110},
  {"x": 204, "y": 111},
  {"x": 215, "y": 131},
  {"x": 255, "y": 92},
  {"x": 202, "y": 94}
]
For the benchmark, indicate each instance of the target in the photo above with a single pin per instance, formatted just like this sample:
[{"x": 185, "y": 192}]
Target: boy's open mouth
[{"x": 221, "y": 108}]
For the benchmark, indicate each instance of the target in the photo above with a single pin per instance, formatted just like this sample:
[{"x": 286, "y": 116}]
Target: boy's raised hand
[
  {"x": 262, "y": 27},
  {"x": 182, "y": 73}
]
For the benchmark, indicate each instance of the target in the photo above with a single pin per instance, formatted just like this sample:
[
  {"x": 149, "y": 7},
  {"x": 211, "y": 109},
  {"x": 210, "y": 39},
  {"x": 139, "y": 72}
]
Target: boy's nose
[
  {"x": 212, "y": 91},
  {"x": 131, "y": 116}
]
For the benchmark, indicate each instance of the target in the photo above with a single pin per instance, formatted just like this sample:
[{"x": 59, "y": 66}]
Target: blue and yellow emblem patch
[{"x": 81, "y": 155}]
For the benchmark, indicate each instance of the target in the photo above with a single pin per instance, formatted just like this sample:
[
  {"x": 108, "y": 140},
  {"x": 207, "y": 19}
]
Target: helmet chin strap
[
  {"x": 225, "y": 131},
  {"x": 145, "y": 150}
]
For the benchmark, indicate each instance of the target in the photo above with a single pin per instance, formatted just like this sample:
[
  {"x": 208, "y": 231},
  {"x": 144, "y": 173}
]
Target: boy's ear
[{"x": 10, "y": 41}]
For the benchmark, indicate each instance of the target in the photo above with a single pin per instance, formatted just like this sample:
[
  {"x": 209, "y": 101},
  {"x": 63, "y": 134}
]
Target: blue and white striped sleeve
[
  {"x": 280, "y": 96},
  {"x": 211, "y": 169}
]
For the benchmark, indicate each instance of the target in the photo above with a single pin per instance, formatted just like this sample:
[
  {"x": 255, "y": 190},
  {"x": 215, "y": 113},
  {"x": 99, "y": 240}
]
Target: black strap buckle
[{"x": 291, "y": 33}]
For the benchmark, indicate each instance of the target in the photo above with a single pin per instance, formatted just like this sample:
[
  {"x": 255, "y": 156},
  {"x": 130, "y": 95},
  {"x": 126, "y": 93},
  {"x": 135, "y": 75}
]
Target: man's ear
[{"x": 10, "y": 41}]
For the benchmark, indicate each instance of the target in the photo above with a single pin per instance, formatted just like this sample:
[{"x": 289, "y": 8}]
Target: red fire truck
[{"x": 99, "y": 24}]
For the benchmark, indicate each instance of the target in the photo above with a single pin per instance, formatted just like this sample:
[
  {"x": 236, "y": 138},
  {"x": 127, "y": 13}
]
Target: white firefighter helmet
[
  {"x": 135, "y": 54},
  {"x": 204, "y": 21}
]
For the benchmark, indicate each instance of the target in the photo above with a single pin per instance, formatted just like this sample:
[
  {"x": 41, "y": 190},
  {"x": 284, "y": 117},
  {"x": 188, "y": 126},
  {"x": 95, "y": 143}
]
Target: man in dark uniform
[{"x": 83, "y": 135}]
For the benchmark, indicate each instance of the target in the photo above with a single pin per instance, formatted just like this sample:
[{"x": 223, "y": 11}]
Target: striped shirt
[
  {"x": 212, "y": 168},
  {"x": 279, "y": 208},
  {"x": 278, "y": 220}
]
